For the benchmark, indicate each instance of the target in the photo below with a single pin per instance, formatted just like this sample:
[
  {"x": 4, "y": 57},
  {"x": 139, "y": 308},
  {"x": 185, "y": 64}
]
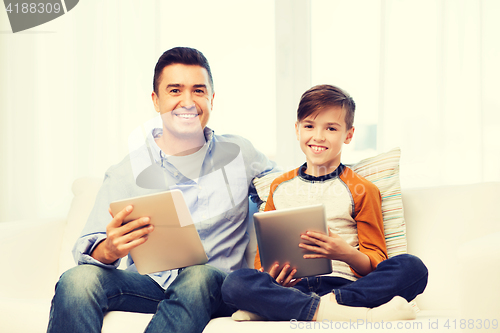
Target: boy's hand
[
  {"x": 121, "y": 238},
  {"x": 332, "y": 246},
  {"x": 335, "y": 247},
  {"x": 283, "y": 277}
]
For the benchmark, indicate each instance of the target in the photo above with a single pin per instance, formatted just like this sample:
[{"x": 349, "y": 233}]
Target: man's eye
[
  {"x": 199, "y": 91},
  {"x": 175, "y": 91}
]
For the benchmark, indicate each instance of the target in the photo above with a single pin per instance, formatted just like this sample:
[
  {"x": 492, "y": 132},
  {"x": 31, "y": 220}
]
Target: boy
[{"x": 364, "y": 283}]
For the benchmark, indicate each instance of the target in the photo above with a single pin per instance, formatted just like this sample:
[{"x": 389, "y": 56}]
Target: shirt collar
[
  {"x": 334, "y": 174},
  {"x": 159, "y": 155}
]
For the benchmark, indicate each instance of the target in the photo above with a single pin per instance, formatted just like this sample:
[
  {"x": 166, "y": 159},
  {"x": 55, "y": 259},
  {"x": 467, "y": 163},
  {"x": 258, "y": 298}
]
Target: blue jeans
[
  {"x": 248, "y": 289},
  {"x": 86, "y": 292}
]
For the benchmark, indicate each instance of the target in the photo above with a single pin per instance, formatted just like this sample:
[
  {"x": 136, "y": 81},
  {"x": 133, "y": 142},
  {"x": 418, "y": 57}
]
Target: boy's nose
[{"x": 318, "y": 136}]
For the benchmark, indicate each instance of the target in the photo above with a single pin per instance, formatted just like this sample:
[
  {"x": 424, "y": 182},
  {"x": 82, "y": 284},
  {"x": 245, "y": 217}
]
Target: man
[{"x": 213, "y": 172}]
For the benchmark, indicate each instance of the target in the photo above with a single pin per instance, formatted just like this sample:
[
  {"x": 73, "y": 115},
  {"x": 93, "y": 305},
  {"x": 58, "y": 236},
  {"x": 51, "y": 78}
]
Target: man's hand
[
  {"x": 283, "y": 277},
  {"x": 121, "y": 238},
  {"x": 335, "y": 247}
]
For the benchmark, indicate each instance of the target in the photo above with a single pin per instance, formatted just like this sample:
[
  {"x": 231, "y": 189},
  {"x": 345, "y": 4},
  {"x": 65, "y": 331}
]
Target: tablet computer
[
  {"x": 278, "y": 236},
  {"x": 174, "y": 242}
]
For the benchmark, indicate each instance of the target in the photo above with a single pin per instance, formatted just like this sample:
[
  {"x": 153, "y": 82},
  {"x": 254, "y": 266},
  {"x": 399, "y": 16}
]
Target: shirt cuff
[{"x": 84, "y": 247}]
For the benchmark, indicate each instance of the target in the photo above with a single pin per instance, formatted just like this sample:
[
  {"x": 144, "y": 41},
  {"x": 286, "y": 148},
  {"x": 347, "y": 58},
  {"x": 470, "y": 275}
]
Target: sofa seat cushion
[{"x": 427, "y": 321}]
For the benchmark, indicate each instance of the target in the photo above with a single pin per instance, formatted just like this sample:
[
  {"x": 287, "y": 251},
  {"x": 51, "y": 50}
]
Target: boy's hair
[
  {"x": 181, "y": 55},
  {"x": 323, "y": 96}
]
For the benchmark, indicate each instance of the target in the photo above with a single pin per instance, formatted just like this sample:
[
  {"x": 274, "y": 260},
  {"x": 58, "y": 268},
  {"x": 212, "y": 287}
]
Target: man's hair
[
  {"x": 323, "y": 96},
  {"x": 180, "y": 55}
]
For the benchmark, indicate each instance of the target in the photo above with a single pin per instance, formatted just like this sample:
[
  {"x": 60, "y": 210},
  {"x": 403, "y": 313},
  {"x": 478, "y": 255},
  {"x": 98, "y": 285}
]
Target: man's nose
[{"x": 187, "y": 100}]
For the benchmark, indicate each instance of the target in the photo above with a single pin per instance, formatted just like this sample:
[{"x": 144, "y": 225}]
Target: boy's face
[
  {"x": 321, "y": 136},
  {"x": 184, "y": 99}
]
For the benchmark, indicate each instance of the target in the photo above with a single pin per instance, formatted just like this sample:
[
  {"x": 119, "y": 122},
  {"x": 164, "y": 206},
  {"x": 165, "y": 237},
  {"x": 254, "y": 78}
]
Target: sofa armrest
[
  {"x": 478, "y": 275},
  {"x": 30, "y": 250}
]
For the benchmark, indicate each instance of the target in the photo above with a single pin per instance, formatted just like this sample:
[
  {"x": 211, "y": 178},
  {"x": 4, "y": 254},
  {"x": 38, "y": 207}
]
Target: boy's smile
[{"x": 321, "y": 136}]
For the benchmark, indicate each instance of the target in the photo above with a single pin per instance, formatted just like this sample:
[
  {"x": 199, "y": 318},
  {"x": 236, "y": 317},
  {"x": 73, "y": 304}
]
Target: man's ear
[
  {"x": 349, "y": 136},
  {"x": 212, "y": 102},
  {"x": 154, "y": 97}
]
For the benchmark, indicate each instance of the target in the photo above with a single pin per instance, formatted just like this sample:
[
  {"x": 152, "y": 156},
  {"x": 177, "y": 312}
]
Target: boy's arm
[
  {"x": 368, "y": 216},
  {"x": 269, "y": 206},
  {"x": 335, "y": 247}
]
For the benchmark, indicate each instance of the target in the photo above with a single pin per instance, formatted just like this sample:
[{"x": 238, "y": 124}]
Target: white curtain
[
  {"x": 440, "y": 90},
  {"x": 426, "y": 74},
  {"x": 72, "y": 90}
]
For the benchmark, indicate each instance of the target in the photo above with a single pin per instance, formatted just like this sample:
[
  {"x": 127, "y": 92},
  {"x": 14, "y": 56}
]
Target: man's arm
[
  {"x": 100, "y": 227},
  {"x": 121, "y": 238}
]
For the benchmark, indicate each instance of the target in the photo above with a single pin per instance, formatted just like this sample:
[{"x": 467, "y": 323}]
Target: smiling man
[
  {"x": 184, "y": 98},
  {"x": 214, "y": 172}
]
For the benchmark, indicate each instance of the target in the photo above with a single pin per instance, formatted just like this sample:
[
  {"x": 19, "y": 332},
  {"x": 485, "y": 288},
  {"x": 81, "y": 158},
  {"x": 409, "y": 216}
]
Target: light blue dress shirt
[{"x": 217, "y": 200}]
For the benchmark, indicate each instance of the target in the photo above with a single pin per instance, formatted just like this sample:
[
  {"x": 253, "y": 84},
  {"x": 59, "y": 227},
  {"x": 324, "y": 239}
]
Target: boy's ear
[
  {"x": 297, "y": 129},
  {"x": 349, "y": 136}
]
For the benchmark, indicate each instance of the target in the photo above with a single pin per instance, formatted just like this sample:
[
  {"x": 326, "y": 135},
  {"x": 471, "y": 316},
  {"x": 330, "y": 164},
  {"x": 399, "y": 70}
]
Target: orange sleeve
[
  {"x": 270, "y": 204},
  {"x": 368, "y": 217}
]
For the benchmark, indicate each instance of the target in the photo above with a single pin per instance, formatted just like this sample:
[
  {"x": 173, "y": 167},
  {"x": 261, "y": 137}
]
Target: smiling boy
[{"x": 364, "y": 284}]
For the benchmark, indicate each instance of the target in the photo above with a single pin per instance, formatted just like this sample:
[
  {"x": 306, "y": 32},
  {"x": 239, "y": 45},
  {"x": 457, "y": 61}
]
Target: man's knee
[
  {"x": 202, "y": 275},
  {"x": 80, "y": 282}
]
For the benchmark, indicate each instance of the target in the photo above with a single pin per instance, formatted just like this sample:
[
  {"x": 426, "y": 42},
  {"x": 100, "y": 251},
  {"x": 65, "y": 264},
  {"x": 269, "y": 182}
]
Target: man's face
[
  {"x": 184, "y": 99},
  {"x": 321, "y": 137}
]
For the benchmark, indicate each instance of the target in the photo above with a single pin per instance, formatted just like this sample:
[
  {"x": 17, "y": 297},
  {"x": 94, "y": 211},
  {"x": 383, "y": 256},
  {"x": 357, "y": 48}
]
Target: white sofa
[{"x": 455, "y": 230}]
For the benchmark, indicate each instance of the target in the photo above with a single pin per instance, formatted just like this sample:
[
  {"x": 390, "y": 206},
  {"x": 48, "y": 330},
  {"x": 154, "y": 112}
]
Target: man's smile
[{"x": 186, "y": 113}]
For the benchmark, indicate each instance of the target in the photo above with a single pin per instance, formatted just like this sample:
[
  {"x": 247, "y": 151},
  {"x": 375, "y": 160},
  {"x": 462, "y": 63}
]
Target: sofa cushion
[
  {"x": 85, "y": 191},
  {"x": 439, "y": 220}
]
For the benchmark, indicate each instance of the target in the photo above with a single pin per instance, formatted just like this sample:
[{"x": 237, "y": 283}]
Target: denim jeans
[
  {"x": 248, "y": 289},
  {"x": 86, "y": 292}
]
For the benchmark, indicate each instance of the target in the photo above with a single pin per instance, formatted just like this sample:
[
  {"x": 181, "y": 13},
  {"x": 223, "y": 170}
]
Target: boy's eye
[
  {"x": 308, "y": 126},
  {"x": 332, "y": 129}
]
